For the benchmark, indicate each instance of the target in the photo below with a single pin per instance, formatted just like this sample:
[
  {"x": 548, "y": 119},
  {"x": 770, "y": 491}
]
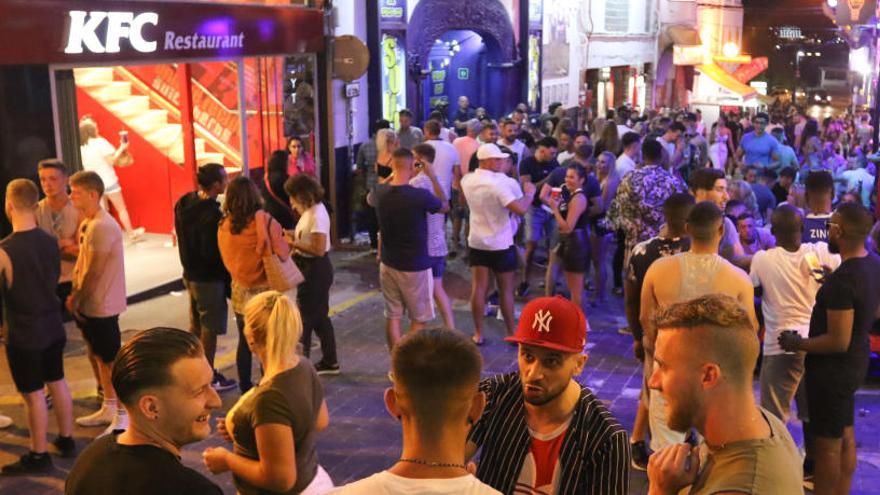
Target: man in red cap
[{"x": 541, "y": 431}]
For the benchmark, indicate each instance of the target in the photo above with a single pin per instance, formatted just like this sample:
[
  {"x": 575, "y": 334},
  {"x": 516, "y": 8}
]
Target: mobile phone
[
  {"x": 123, "y": 137},
  {"x": 816, "y": 270}
]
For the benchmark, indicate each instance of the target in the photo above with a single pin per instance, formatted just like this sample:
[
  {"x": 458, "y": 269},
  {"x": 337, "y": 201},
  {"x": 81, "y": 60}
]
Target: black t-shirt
[
  {"x": 108, "y": 467},
  {"x": 591, "y": 186},
  {"x": 854, "y": 285},
  {"x": 537, "y": 171},
  {"x": 780, "y": 193},
  {"x": 647, "y": 252},
  {"x": 403, "y": 223}
]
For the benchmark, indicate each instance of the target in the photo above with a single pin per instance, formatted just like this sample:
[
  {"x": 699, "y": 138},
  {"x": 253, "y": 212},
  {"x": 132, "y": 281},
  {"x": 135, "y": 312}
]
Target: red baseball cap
[{"x": 553, "y": 323}]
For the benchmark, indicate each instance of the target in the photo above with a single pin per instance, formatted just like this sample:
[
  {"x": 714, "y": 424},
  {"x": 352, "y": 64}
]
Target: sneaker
[
  {"x": 136, "y": 234},
  {"x": 65, "y": 445},
  {"x": 5, "y": 421},
  {"x": 221, "y": 383},
  {"x": 522, "y": 290},
  {"x": 327, "y": 369},
  {"x": 101, "y": 417},
  {"x": 640, "y": 455},
  {"x": 28, "y": 464},
  {"x": 118, "y": 425}
]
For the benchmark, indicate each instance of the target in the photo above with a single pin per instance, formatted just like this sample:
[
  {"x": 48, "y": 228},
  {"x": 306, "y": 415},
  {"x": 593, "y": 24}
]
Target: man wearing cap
[
  {"x": 492, "y": 196},
  {"x": 541, "y": 431}
]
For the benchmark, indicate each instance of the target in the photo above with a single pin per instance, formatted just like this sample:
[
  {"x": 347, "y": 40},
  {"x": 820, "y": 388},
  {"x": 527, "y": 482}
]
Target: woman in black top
[
  {"x": 275, "y": 200},
  {"x": 573, "y": 250}
]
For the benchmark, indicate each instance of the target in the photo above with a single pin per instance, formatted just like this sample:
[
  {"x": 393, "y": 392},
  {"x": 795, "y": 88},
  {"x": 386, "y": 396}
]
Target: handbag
[
  {"x": 283, "y": 275},
  {"x": 125, "y": 159}
]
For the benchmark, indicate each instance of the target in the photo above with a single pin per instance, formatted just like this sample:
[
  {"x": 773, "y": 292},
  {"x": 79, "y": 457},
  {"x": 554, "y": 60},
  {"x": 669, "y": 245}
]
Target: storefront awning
[{"x": 725, "y": 80}]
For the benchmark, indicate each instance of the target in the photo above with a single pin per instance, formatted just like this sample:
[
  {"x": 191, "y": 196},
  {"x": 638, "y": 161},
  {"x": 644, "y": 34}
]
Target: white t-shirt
[
  {"x": 386, "y": 483},
  {"x": 624, "y": 165},
  {"x": 789, "y": 289},
  {"x": 96, "y": 154},
  {"x": 853, "y": 177},
  {"x": 445, "y": 159},
  {"x": 315, "y": 220},
  {"x": 488, "y": 194},
  {"x": 670, "y": 147},
  {"x": 622, "y": 129}
]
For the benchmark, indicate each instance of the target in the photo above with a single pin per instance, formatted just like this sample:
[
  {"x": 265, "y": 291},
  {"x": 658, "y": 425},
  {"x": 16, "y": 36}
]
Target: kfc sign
[{"x": 83, "y": 26}]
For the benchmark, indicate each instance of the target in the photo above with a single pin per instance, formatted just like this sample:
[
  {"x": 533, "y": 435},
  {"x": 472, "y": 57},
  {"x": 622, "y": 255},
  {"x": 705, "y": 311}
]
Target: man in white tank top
[{"x": 685, "y": 276}]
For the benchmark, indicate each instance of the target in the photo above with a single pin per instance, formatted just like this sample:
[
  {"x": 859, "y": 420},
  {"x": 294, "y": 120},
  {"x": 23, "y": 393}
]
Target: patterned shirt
[
  {"x": 436, "y": 221},
  {"x": 594, "y": 458},
  {"x": 644, "y": 254},
  {"x": 638, "y": 207}
]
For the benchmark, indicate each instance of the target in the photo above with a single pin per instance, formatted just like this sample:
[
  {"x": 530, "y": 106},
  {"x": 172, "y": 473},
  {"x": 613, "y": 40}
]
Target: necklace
[{"x": 433, "y": 464}]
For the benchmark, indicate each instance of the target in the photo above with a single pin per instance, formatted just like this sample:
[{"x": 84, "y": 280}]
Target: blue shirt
[
  {"x": 787, "y": 158},
  {"x": 815, "y": 229},
  {"x": 759, "y": 149}
]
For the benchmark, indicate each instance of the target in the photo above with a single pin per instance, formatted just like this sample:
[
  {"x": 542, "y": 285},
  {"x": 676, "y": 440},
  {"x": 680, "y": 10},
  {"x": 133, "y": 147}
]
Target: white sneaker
[
  {"x": 101, "y": 417},
  {"x": 119, "y": 423},
  {"x": 5, "y": 421}
]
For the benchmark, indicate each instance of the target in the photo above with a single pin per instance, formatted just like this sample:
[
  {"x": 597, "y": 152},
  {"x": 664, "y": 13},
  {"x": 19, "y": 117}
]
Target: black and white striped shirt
[{"x": 595, "y": 454}]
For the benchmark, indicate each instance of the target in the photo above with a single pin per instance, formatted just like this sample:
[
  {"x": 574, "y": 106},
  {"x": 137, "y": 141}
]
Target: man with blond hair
[
  {"x": 706, "y": 351},
  {"x": 30, "y": 264}
]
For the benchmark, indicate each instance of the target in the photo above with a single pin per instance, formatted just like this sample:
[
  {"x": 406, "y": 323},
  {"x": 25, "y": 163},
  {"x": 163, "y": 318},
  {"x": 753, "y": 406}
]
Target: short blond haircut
[
  {"x": 722, "y": 333},
  {"x": 23, "y": 194},
  {"x": 88, "y": 180},
  {"x": 276, "y": 324}
]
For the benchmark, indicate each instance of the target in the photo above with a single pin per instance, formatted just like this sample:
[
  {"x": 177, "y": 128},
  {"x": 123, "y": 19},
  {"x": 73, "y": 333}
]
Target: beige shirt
[
  {"x": 61, "y": 224},
  {"x": 769, "y": 465},
  {"x": 100, "y": 261}
]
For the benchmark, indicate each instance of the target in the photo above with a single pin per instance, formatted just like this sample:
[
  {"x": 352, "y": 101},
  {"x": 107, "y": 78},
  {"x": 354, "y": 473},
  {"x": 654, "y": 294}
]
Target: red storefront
[{"x": 190, "y": 83}]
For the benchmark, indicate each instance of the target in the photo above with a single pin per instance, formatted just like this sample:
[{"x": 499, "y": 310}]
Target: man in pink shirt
[{"x": 466, "y": 146}]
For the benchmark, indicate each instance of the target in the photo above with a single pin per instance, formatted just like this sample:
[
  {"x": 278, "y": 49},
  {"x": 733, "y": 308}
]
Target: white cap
[{"x": 490, "y": 150}]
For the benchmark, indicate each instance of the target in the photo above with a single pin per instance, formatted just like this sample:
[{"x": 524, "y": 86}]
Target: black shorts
[
  {"x": 438, "y": 266},
  {"x": 573, "y": 251},
  {"x": 33, "y": 368},
  {"x": 102, "y": 335},
  {"x": 502, "y": 261},
  {"x": 63, "y": 290},
  {"x": 832, "y": 405}
]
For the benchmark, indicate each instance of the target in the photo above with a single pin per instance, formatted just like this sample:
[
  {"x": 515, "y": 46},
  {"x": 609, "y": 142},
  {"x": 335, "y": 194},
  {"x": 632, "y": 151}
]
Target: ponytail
[{"x": 276, "y": 324}]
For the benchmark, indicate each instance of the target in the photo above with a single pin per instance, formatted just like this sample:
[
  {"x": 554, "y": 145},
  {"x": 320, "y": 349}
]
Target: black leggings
[
  {"x": 313, "y": 298},
  {"x": 243, "y": 357}
]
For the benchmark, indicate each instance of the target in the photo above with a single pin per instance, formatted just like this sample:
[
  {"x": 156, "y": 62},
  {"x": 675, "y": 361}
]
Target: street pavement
[{"x": 362, "y": 437}]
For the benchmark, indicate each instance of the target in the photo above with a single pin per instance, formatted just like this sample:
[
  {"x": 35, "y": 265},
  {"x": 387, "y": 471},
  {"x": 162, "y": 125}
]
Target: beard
[
  {"x": 833, "y": 246},
  {"x": 684, "y": 412},
  {"x": 545, "y": 397}
]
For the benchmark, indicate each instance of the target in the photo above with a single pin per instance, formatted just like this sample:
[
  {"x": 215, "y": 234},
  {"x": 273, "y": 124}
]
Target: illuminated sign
[
  {"x": 393, "y": 78},
  {"x": 790, "y": 33},
  {"x": 392, "y": 11},
  {"x": 464, "y": 73},
  {"x": 120, "y": 25}
]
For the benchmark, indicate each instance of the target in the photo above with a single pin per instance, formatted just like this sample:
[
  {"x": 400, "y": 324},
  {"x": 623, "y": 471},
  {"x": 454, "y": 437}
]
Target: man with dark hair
[
  {"x": 164, "y": 382},
  {"x": 196, "y": 217},
  {"x": 434, "y": 395},
  {"x": 445, "y": 159},
  {"x": 630, "y": 143},
  {"x": 783, "y": 183},
  {"x": 686, "y": 275},
  {"x": 672, "y": 240},
  {"x": 638, "y": 207},
  {"x": 509, "y": 131},
  {"x": 541, "y": 431},
  {"x": 408, "y": 134},
  {"x": 787, "y": 156},
  {"x": 673, "y": 142},
  {"x": 540, "y": 225},
  {"x": 405, "y": 267},
  {"x": 566, "y": 145},
  {"x": 706, "y": 352},
  {"x": 757, "y": 180},
  {"x": 709, "y": 184},
  {"x": 98, "y": 296},
  {"x": 819, "y": 195},
  {"x": 838, "y": 348},
  {"x": 30, "y": 264},
  {"x": 758, "y": 147}
]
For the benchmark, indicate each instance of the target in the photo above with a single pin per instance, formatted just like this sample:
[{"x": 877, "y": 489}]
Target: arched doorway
[{"x": 462, "y": 47}]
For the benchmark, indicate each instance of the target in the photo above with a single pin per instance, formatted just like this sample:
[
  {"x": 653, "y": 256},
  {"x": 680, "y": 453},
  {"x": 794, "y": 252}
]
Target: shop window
[{"x": 617, "y": 16}]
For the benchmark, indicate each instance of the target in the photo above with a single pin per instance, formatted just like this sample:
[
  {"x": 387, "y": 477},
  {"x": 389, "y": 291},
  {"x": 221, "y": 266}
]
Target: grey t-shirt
[
  {"x": 769, "y": 465},
  {"x": 292, "y": 398},
  {"x": 728, "y": 240}
]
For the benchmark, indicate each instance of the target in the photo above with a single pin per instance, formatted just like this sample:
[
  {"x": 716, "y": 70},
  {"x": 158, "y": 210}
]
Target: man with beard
[
  {"x": 838, "y": 349},
  {"x": 164, "y": 381},
  {"x": 684, "y": 276},
  {"x": 542, "y": 432},
  {"x": 747, "y": 449}
]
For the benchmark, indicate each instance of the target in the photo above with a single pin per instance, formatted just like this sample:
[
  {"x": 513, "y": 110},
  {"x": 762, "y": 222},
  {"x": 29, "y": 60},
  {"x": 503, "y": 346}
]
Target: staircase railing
[{"x": 229, "y": 153}]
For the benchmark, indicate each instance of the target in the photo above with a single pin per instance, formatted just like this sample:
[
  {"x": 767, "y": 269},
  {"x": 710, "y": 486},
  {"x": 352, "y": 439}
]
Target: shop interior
[{"x": 231, "y": 112}]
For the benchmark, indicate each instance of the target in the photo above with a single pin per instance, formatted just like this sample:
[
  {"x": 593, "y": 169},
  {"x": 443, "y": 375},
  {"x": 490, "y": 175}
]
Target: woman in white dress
[{"x": 99, "y": 156}]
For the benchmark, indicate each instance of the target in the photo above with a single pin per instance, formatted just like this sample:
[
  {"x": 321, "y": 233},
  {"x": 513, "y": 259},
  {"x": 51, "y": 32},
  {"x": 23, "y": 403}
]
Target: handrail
[{"x": 229, "y": 152}]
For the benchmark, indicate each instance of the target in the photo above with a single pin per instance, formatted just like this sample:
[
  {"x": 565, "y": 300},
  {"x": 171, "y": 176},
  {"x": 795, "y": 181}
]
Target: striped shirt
[{"x": 594, "y": 458}]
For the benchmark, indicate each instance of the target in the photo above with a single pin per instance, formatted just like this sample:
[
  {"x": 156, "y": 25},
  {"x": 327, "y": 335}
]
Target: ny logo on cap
[{"x": 542, "y": 320}]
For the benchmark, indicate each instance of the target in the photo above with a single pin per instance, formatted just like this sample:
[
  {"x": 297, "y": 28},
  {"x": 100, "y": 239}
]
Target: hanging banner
[
  {"x": 746, "y": 72},
  {"x": 83, "y": 31}
]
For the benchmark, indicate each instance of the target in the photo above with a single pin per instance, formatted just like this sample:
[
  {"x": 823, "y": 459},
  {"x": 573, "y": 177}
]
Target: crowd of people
[{"x": 736, "y": 255}]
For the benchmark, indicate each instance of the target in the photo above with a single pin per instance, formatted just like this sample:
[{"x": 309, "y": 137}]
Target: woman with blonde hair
[
  {"x": 273, "y": 426},
  {"x": 99, "y": 156},
  {"x": 246, "y": 234},
  {"x": 742, "y": 191},
  {"x": 608, "y": 140},
  {"x": 606, "y": 173},
  {"x": 386, "y": 143}
]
